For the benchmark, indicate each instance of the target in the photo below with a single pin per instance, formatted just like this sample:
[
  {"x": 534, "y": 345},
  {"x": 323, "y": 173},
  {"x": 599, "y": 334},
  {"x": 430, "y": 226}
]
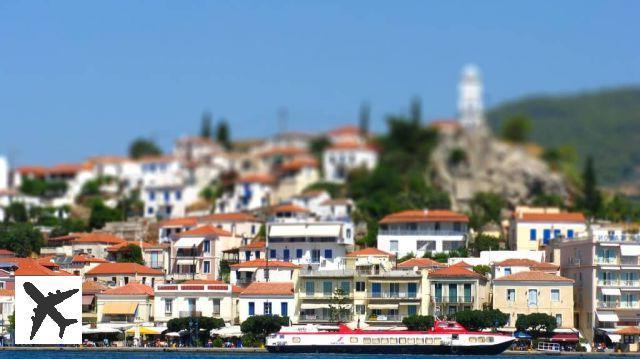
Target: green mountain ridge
[{"x": 603, "y": 123}]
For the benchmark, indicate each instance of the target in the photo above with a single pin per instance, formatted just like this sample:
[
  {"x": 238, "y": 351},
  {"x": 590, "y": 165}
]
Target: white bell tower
[{"x": 470, "y": 107}]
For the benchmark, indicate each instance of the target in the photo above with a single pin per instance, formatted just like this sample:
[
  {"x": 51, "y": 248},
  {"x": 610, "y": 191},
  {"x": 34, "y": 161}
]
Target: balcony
[
  {"x": 616, "y": 304},
  {"x": 605, "y": 260},
  {"x": 619, "y": 283},
  {"x": 629, "y": 238},
  {"x": 321, "y": 295},
  {"x": 393, "y": 295},
  {"x": 454, "y": 300},
  {"x": 420, "y": 232},
  {"x": 384, "y": 318},
  {"x": 317, "y": 318}
]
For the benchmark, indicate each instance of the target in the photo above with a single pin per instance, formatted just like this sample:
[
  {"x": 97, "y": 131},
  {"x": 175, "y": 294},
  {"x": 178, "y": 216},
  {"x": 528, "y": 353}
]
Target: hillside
[{"x": 605, "y": 124}]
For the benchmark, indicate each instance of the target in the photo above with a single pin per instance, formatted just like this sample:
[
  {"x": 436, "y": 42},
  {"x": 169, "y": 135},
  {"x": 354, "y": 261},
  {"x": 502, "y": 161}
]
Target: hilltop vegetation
[{"x": 604, "y": 124}]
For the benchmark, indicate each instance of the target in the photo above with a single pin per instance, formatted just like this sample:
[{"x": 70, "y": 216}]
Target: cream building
[
  {"x": 457, "y": 288},
  {"x": 533, "y": 227},
  {"x": 132, "y": 303},
  {"x": 205, "y": 298},
  {"x": 529, "y": 292}
]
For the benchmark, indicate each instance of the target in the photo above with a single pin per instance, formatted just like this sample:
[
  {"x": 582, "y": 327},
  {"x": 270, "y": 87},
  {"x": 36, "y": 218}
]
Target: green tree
[
  {"x": 485, "y": 207},
  {"x": 43, "y": 188},
  {"x": 205, "y": 125},
  {"x": 537, "y": 324},
  {"x": 476, "y": 320},
  {"x": 142, "y": 147},
  {"x": 66, "y": 226},
  {"x": 621, "y": 209},
  {"x": 591, "y": 201},
  {"x": 101, "y": 214},
  {"x": 482, "y": 269},
  {"x": 457, "y": 156},
  {"x": 260, "y": 326},
  {"x": 339, "y": 307},
  {"x": 131, "y": 253},
  {"x": 406, "y": 257},
  {"x": 223, "y": 135},
  {"x": 485, "y": 242},
  {"x": 517, "y": 129},
  {"x": 416, "y": 110},
  {"x": 205, "y": 324},
  {"x": 418, "y": 322},
  {"x": 548, "y": 200},
  {"x": 16, "y": 212},
  {"x": 318, "y": 145},
  {"x": 21, "y": 238}
]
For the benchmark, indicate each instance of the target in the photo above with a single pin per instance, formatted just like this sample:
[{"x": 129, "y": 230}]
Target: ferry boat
[{"x": 446, "y": 337}]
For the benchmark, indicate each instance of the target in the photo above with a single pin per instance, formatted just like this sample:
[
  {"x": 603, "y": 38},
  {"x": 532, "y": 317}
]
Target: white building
[
  {"x": 167, "y": 201},
  {"x": 421, "y": 231},
  {"x": 311, "y": 200},
  {"x": 339, "y": 209},
  {"x": 251, "y": 191},
  {"x": 470, "y": 107},
  {"x": 262, "y": 270},
  {"x": 316, "y": 244},
  {"x": 240, "y": 224},
  {"x": 192, "y": 298},
  {"x": 9, "y": 196},
  {"x": 516, "y": 265},
  {"x": 340, "y": 158},
  {"x": 273, "y": 298}
]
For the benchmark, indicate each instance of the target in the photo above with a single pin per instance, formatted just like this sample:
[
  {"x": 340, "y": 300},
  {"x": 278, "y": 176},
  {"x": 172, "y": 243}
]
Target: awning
[
  {"x": 127, "y": 308},
  {"x": 305, "y": 230},
  {"x": 607, "y": 316},
  {"x": 147, "y": 330},
  {"x": 610, "y": 268},
  {"x": 408, "y": 304},
  {"x": 227, "y": 332},
  {"x": 188, "y": 242},
  {"x": 87, "y": 299},
  {"x": 611, "y": 291},
  {"x": 564, "y": 337},
  {"x": 186, "y": 262},
  {"x": 383, "y": 306},
  {"x": 313, "y": 306},
  {"x": 615, "y": 338},
  {"x": 630, "y": 250},
  {"x": 86, "y": 329}
]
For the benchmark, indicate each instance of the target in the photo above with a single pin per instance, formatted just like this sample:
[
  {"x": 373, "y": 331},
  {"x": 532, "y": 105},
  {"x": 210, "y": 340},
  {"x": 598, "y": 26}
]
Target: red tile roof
[
  {"x": 30, "y": 266},
  {"x": 6, "y": 252},
  {"x": 351, "y": 145},
  {"x": 94, "y": 237},
  {"x": 345, "y": 130},
  {"x": 262, "y": 263},
  {"x": 576, "y": 217},
  {"x": 455, "y": 272},
  {"x": 534, "y": 276},
  {"x": 521, "y": 262},
  {"x": 203, "y": 281},
  {"x": 179, "y": 222},
  {"x": 420, "y": 215},
  {"x": 268, "y": 288},
  {"x": 83, "y": 258},
  {"x": 206, "y": 230},
  {"x": 130, "y": 289},
  {"x": 371, "y": 251},
  {"x": 7, "y": 292},
  {"x": 92, "y": 287},
  {"x": 255, "y": 245},
  {"x": 263, "y": 178},
  {"x": 229, "y": 217},
  {"x": 283, "y": 151},
  {"x": 462, "y": 264},
  {"x": 288, "y": 208},
  {"x": 421, "y": 263},
  {"x": 298, "y": 163},
  {"x": 120, "y": 246},
  {"x": 123, "y": 268}
]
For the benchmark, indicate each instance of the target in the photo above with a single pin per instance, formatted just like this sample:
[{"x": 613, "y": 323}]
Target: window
[
  {"x": 285, "y": 255},
  {"x": 327, "y": 288},
  {"x": 360, "y": 287},
  {"x": 252, "y": 308},
  {"x": 216, "y": 306},
  {"x": 393, "y": 246},
  {"x": 511, "y": 295},
  {"x": 353, "y": 340},
  {"x": 412, "y": 310},
  {"x": 150, "y": 210},
  {"x": 152, "y": 196},
  {"x": 247, "y": 255},
  {"x": 272, "y": 253},
  {"x": 360, "y": 309},
  {"x": 570, "y": 233},
  {"x": 533, "y": 297},
  {"x": 346, "y": 287},
  {"x": 533, "y": 235},
  {"x": 507, "y": 271},
  {"x": 298, "y": 253},
  {"x": 310, "y": 288},
  {"x": 207, "y": 246},
  {"x": 191, "y": 304},
  {"x": 412, "y": 290},
  {"x": 559, "y": 320},
  {"x": 348, "y": 233},
  {"x": 166, "y": 196},
  {"x": 257, "y": 254},
  {"x": 284, "y": 309},
  {"x": 267, "y": 308},
  {"x": 557, "y": 233},
  {"x": 328, "y": 254},
  {"x": 206, "y": 267},
  {"x": 555, "y": 295},
  {"x": 168, "y": 306},
  {"x": 178, "y": 195},
  {"x": 546, "y": 236}
]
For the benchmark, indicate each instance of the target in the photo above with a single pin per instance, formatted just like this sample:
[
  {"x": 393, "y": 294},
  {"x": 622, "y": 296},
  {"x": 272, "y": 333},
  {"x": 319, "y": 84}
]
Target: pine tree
[
  {"x": 416, "y": 110},
  {"x": 205, "y": 126},
  {"x": 365, "y": 114},
  {"x": 222, "y": 134},
  {"x": 592, "y": 198}
]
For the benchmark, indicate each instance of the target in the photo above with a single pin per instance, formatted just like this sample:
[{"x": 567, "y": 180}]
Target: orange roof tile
[
  {"x": 120, "y": 246},
  {"x": 30, "y": 266},
  {"x": 6, "y": 252},
  {"x": 629, "y": 331},
  {"x": 263, "y": 178},
  {"x": 92, "y": 287},
  {"x": 7, "y": 292},
  {"x": 236, "y": 289},
  {"x": 551, "y": 217},
  {"x": 179, "y": 222},
  {"x": 268, "y": 288},
  {"x": 345, "y": 130},
  {"x": 93, "y": 237},
  {"x": 288, "y": 208},
  {"x": 533, "y": 276},
  {"x": 521, "y": 262},
  {"x": 123, "y": 268},
  {"x": 284, "y": 151},
  {"x": 419, "y": 215},
  {"x": 130, "y": 289},
  {"x": 229, "y": 217},
  {"x": 203, "y": 281},
  {"x": 351, "y": 145},
  {"x": 206, "y": 230},
  {"x": 462, "y": 264},
  {"x": 371, "y": 251},
  {"x": 455, "y": 272},
  {"x": 255, "y": 245},
  {"x": 83, "y": 258},
  {"x": 298, "y": 163},
  {"x": 421, "y": 263},
  {"x": 261, "y": 263}
]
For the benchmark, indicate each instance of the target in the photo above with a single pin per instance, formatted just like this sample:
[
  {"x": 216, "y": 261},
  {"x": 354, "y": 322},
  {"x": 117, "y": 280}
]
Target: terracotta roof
[
  {"x": 268, "y": 288},
  {"x": 179, "y": 222},
  {"x": 256, "y": 245},
  {"x": 288, "y": 208},
  {"x": 351, "y": 145},
  {"x": 203, "y": 281},
  {"x": 130, "y": 289},
  {"x": 420, "y": 215},
  {"x": 123, "y": 268},
  {"x": 229, "y": 217},
  {"x": 444, "y": 123},
  {"x": 155, "y": 159},
  {"x": 261, "y": 263},
  {"x": 206, "y": 230},
  {"x": 48, "y": 262},
  {"x": 551, "y": 217},
  {"x": 6, "y": 252},
  {"x": 298, "y": 163},
  {"x": 371, "y": 251},
  {"x": 283, "y": 151},
  {"x": 337, "y": 202},
  {"x": 236, "y": 289},
  {"x": 521, "y": 262},
  {"x": 421, "y": 263},
  {"x": 535, "y": 276},
  {"x": 62, "y": 168},
  {"x": 263, "y": 178},
  {"x": 629, "y": 331},
  {"x": 30, "y": 266},
  {"x": 462, "y": 264},
  {"x": 120, "y": 246},
  {"x": 455, "y": 272},
  {"x": 92, "y": 287},
  {"x": 345, "y": 130},
  {"x": 108, "y": 159},
  {"x": 94, "y": 237},
  {"x": 7, "y": 292}
]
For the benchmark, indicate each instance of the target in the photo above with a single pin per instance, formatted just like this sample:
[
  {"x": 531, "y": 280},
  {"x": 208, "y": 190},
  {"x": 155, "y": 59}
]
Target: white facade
[
  {"x": 470, "y": 107},
  {"x": 489, "y": 258},
  {"x": 263, "y": 305},
  {"x": 338, "y": 160},
  {"x": 402, "y": 238},
  {"x": 247, "y": 195},
  {"x": 194, "y": 298},
  {"x": 312, "y": 200},
  {"x": 168, "y": 201},
  {"x": 10, "y": 196}
]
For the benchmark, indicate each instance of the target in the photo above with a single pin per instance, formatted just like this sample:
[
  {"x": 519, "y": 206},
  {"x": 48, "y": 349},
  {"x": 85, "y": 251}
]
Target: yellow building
[
  {"x": 456, "y": 288},
  {"x": 534, "y": 292},
  {"x": 533, "y": 227}
]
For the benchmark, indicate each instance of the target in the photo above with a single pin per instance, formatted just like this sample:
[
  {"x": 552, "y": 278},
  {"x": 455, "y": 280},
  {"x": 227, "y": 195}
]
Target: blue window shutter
[
  {"x": 272, "y": 253},
  {"x": 284, "y": 309},
  {"x": 298, "y": 253},
  {"x": 328, "y": 254},
  {"x": 570, "y": 233},
  {"x": 252, "y": 308},
  {"x": 533, "y": 235}
]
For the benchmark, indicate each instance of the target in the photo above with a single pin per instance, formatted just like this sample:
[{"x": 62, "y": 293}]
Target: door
[
  {"x": 453, "y": 293},
  {"x": 412, "y": 290},
  {"x": 285, "y": 255},
  {"x": 284, "y": 309},
  {"x": 315, "y": 256},
  {"x": 376, "y": 290},
  {"x": 467, "y": 293}
]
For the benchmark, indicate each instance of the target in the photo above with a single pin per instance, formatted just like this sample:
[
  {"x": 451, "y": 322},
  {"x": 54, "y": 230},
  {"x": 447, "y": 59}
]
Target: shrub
[
  {"x": 217, "y": 342},
  {"x": 418, "y": 322}
]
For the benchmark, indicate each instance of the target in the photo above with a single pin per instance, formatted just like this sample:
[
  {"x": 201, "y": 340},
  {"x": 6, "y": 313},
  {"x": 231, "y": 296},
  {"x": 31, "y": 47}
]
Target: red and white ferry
[{"x": 447, "y": 337}]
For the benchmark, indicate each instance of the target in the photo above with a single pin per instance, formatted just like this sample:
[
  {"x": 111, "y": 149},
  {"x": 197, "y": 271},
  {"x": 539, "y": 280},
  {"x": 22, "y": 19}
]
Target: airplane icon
[{"x": 47, "y": 306}]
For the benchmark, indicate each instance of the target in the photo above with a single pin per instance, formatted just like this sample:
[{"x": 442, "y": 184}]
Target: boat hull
[{"x": 393, "y": 349}]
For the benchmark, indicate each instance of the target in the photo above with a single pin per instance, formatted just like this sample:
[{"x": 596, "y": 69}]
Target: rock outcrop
[{"x": 469, "y": 161}]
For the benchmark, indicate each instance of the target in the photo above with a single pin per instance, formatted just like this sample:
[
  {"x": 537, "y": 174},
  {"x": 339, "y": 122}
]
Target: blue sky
[{"x": 81, "y": 78}]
